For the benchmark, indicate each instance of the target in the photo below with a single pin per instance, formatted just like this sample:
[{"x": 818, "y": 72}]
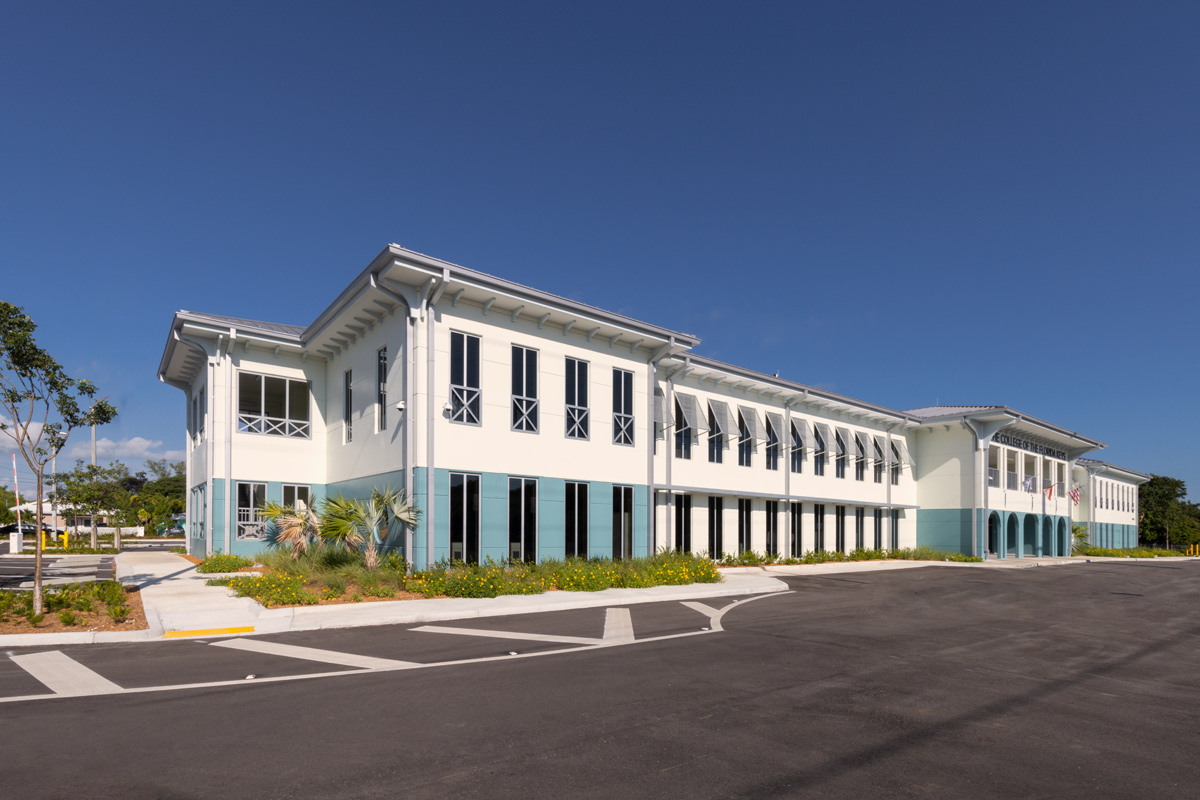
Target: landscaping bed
[
  {"x": 1132, "y": 552},
  {"x": 753, "y": 559},
  {"x": 74, "y": 608}
]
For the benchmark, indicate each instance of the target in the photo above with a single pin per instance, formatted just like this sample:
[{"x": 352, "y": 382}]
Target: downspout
[
  {"x": 787, "y": 478},
  {"x": 430, "y": 294},
  {"x": 230, "y": 494},
  {"x": 975, "y": 451},
  {"x": 652, "y": 367},
  {"x": 887, "y": 458},
  {"x": 210, "y": 429}
]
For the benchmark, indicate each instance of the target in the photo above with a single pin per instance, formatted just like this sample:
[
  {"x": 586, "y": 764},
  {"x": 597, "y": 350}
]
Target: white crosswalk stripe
[
  {"x": 618, "y": 625},
  {"x": 313, "y": 654},
  {"x": 64, "y": 675}
]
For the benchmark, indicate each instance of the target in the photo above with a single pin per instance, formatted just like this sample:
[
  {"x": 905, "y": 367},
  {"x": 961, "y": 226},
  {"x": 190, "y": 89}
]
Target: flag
[
  {"x": 1028, "y": 484},
  {"x": 1050, "y": 492},
  {"x": 1075, "y": 495}
]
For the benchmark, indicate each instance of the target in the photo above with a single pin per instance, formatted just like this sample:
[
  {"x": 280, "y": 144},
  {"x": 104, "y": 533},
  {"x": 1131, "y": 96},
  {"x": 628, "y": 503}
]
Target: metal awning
[
  {"x": 846, "y": 440},
  {"x": 724, "y": 419},
  {"x": 881, "y": 446},
  {"x": 826, "y": 434},
  {"x": 662, "y": 415},
  {"x": 753, "y": 426},
  {"x": 775, "y": 420},
  {"x": 902, "y": 449},
  {"x": 862, "y": 445},
  {"x": 801, "y": 433},
  {"x": 691, "y": 412}
]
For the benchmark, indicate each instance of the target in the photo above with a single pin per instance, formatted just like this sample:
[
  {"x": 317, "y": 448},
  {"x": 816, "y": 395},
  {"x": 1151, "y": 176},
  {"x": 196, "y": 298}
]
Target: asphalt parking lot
[{"x": 1075, "y": 681}]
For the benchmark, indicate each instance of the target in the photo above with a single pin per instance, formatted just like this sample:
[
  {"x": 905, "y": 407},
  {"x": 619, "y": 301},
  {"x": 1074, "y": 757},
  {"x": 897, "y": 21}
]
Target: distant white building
[{"x": 527, "y": 425}]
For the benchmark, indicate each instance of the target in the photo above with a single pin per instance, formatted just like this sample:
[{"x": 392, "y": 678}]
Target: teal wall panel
[
  {"x": 216, "y": 525},
  {"x": 551, "y": 518},
  {"x": 641, "y": 526},
  {"x": 493, "y": 516},
  {"x": 600, "y": 519},
  {"x": 945, "y": 529}
]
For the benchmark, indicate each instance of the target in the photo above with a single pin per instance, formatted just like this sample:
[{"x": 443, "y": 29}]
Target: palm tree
[
  {"x": 355, "y": 523},
  {"x": 294, "y": 528}
]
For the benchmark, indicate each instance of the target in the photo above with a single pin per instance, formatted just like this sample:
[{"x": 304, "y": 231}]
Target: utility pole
[
  {"x": 54, "y": 478},
  {"x": 95, "y": 542}
]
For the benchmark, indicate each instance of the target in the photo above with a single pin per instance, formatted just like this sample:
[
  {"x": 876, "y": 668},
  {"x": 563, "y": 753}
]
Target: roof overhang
[{"x": 1002, "y": 419}]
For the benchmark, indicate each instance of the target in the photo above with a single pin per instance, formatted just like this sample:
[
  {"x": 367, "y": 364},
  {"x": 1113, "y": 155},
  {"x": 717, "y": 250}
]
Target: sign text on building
[{"x": 1041, "y": 449}]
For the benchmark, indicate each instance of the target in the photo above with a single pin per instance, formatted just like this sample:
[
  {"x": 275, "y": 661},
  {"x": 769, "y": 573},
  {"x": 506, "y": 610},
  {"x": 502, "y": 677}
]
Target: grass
[
  {"x": 923, "y": 553},
  {"x": 223, "y": 562},
  {"x": 68, "y": 602},
  {"x": 1132, "y": 552}
]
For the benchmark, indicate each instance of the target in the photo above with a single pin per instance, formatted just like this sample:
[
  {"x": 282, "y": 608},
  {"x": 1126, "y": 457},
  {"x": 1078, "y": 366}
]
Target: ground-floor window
[
  {"x": 199, "y": 511},
  {"x": 839, "y": 528},
  {"x": 743, "y": 525},
  {"x": 683, "y": 523},
  {"x": 895, "y": 529},
  {"x": 819, "y": 527},
  {"x": 464, "y": 517},
  {"x": 296, "y": 496},
  {"x": 796, "y": 543},
  {"x": 879, "y": 529},
  {"x": 773, "y": 527},
  {"x": 622, "y": 528},
  {"x": 522, "y": 519},
  {"x": 860, "y": 528},
  {"x": 577, "y": 520},
  {"x": 250, "y": 498},
  {"x": 716, "y": 527}
]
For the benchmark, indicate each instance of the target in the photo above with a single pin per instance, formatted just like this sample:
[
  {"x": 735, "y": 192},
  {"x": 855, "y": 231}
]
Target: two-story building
[
  {"x": 1108, "y": 502},
  {"x": 527, "y": 425}
]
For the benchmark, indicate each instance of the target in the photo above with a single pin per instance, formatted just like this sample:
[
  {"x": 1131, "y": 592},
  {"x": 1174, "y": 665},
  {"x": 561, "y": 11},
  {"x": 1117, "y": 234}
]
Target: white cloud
[{"x": 134, "y": 447}]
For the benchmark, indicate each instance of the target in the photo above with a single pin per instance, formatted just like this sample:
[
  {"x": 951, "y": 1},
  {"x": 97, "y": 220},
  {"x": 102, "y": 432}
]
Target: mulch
[{"x": 96, "y": 620}]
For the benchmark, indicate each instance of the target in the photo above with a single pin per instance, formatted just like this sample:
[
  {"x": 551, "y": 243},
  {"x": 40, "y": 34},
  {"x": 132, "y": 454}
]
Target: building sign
[{"x": 1041, "y": 449}]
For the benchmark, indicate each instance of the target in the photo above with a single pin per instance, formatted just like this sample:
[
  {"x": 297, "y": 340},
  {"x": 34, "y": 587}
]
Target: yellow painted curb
[{"x": 207, "y": 632}]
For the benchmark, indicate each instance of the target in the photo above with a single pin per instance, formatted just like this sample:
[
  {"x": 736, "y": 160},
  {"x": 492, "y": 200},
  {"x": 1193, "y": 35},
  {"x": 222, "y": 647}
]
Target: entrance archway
[
  {"x": 993, "y": 537},
  {"x": 1029, "y": 544},
  {"x": 1010, "y": 544},
  {"x": 1064, "y": 546},
  {"x": 1048, "y": 537}
]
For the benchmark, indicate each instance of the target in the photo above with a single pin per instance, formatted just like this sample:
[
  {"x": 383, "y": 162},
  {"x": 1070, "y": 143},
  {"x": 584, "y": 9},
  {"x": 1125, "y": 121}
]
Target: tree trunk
[
  {"x": 95, "y": 540},
  {"x": 117, "y": 537},
  {"x": 37, "y": 550}
]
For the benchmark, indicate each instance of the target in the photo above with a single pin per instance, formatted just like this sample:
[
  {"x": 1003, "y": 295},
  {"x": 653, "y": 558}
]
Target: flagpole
[{"x": 20, "y": 542}]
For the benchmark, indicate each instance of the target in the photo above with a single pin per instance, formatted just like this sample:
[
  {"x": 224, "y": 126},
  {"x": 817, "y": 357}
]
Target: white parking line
[
  {"x": 312, "y": 654},
  {"x": 618, "y": 625},
  {"x": 528, "y": 637},
  {"x": 64, "y": 675}
]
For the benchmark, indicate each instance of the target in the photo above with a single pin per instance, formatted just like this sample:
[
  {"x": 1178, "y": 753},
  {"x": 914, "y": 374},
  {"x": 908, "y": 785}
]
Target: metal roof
[
  {"x": 941, "y": 411},
  {"x": 1095, "y": 462},
  {"x": 273, "y": 328}
]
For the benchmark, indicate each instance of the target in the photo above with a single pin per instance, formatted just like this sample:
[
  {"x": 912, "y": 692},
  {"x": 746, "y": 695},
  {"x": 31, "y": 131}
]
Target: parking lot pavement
[{"x": 16, "y": 572}]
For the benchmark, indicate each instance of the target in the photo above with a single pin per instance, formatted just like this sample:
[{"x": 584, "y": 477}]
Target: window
[
  {"x": 716, "y": 440},
  {"x": 878, "y": 462},
  {"x": 683, "y": 435},
  {"x": 381, "y": 388},
  {"x": 993, "y": 467},
  {"x": 819, "y": 527},
  {"x": 895, "y": 465},
  {"x": 271, "y": 405},
  {"x": 744, "y": 511},
  {"x": 577, "y": 399},
  {"x": 797, "y": 464},
  {"x": 773, "y": 527},
  {"x": 622, "y": 529},
  {"x": 716, "y": 527},
  {"x": 839, "y": 528},
  {"x": 199, "y": 511},
  {"x": 348, "y": 404},
  {"x": 464, "y": 517},
  {"x": 860, "y": 528},
  {"x": 522, "y": 519},
  {"x": 622, "y": 406},
  {"x": 577, "y": 520},
  {"x": 202, "y": 411},
  {"x": 860, "y": 460},
  {"x": 466, "y": 403},
  {"x": 524, "y": 389},
  {"x": 820, "y": 455},
  {"x": 250, "y": 498},
  {"x": 879, "y": 529},
  {"x": 745, "y": 443},
  {"x": 296, "y": 496},
  {"x": 796, "y": 543},
  {"x": 839, "y": 465},
  {"x": 683, "y": 523},
  {"x": 772, "y": 447},
  {"x": 895, "y": 529}
]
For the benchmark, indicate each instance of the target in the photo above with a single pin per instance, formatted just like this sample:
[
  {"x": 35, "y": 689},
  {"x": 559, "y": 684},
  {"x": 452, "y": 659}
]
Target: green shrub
[
  {"x": 223, "y": 562},
  {"x": 118, "y": 612},
  {"x": 68, "y": 618},
  {"x": 270, "y": 590},
  {"x": 1131, "y": 552},
  {"x": 179, "y": 550}
]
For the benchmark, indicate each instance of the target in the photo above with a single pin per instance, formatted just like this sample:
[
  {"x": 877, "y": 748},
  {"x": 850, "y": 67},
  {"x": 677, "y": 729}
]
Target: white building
[
  {"x": 542, "y": 427},
  {"x": 1108, "y": 506}
]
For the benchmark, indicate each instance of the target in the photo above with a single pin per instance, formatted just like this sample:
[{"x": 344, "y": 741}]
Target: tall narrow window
[
  {"x": 745, "y": 443},
  {"x": 622, "y": 530},
  {"x": 716, "y": 527},
  {"x": 622, "y": 406},
  {"x": 839, "y": 528},
  {"x": 839, "y": 465},
  {"x": 522, "y": 519},
  {"x": 348, "y": 404},
  {"x": 879, "y": 529},
  {"x": 381, "y": 368},
  {"x": 577, "y": 520},
  {"x": 744, "y": 534},
  {"x": 772, "y": 447},
  {"x": 716, "y": 440},
  {"x": 773, "y": 527},
  {"x": 878, "y": 462},
  {"x": 466, "y": 402},
  {"x": 860, "y": 460},
  {"x": 577, "y": 399},
  {"x": 683, "y": 523},
  {"x": 683, "y": 435},
  {"x": 250, "y": 499},
  {"x": 895, "y": 466},
  {"x": 895, "y": 529},
  {"x": 797, "y": 459},
  {"x": 524, "y": 389},
  {"x": 797, "y": 545},
  {"x": 860, "y": 528},
  {"x": 202, "y": 413},
  {"x": 820, "y": 454},
  {"x": 464, "y": 517},
  {"x": 819, "y": 527}
]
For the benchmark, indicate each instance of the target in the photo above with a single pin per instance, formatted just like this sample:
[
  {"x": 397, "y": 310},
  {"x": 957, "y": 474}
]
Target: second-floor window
[
  {"x": 716, "y": 440},
  {"x": 819, "y": 454},
  {"x": 381, "y": 387},
  {"x": 878, "y": 463},
  {"x": 683, "y": 435},
  {"x": 839, "y": 466},
  {"x": 524, "y": 389},
  {"x": 797, "y": 454},
  {"x": 860, "y": 460},
  {"x": 745, "y": 443},
  {"x": 772, "y": 447},
  {"x": 895, "y": 466},
  {"x": 466, "y": 403},
  {"x": 348, "y": 404},
  {"x": 274, "y": 406},
  {"x": 577, "y": 399},
  {"x": 622, "y": 388}
]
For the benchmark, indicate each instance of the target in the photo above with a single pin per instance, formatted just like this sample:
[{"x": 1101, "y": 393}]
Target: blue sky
[{"x": 905, "y": 203}]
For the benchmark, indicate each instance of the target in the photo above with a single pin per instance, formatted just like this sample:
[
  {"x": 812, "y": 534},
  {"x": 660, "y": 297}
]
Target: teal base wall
[
  {"x": 228, "y": 511},
  {"x": 946, "y": 529},
  {"x": 1018, "y": 535},
  {"x": 360, "y": 489},
  {"x": 1112, "y": 536}
]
